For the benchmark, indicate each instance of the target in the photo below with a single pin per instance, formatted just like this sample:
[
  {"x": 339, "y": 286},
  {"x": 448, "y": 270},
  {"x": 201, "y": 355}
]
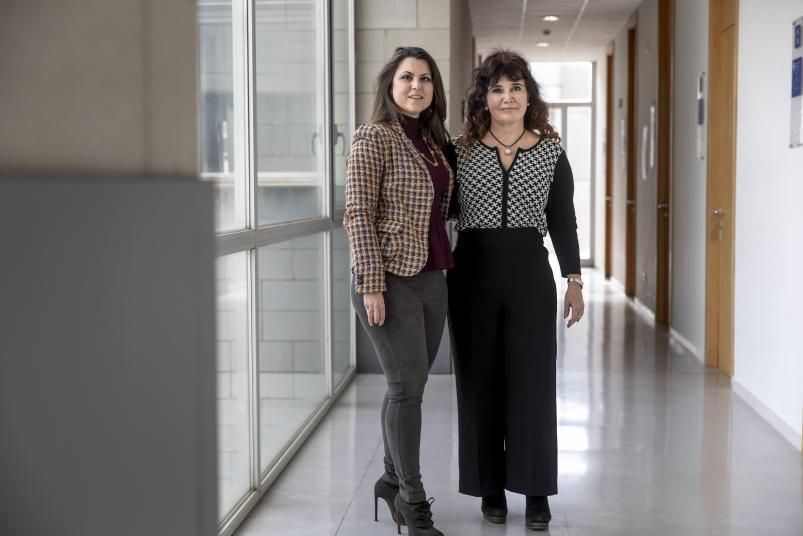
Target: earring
[{"x": 528, "y": 104}]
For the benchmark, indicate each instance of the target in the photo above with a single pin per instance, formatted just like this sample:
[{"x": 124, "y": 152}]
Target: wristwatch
[{"x": 577, "y": 280}]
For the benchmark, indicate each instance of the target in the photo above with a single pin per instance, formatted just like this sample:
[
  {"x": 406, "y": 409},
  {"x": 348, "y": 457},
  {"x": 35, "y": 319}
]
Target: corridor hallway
[{"x": 651, "y": 443}]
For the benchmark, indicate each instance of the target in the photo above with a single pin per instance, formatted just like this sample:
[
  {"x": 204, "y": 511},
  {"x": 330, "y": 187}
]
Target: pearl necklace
[{"x": 508, "y": 149}]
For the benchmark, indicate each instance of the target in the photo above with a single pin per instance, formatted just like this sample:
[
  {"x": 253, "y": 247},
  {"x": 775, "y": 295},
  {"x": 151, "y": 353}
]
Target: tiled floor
[{"x": 651, "y": 443}]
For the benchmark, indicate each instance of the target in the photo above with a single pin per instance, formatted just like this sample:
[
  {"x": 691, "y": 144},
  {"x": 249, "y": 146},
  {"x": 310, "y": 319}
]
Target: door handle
[
  {"x": 663, "y": 205},
  {"x": 645, "y": 134}
]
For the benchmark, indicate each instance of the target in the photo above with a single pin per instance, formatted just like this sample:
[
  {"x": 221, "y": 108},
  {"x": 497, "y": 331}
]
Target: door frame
[
  {"x": 609, "y": 75},
  {"x": 721, "y": 179},
  {"x": 663, "y": 244},
  {"x": 630, "y": 195}
]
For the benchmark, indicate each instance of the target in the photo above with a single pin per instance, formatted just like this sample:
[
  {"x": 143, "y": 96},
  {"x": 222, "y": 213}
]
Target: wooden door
[
  {"x": 666, "y": 45},
  {"x": 722, "y": 62},
  {"x": 630, "y": 199}
]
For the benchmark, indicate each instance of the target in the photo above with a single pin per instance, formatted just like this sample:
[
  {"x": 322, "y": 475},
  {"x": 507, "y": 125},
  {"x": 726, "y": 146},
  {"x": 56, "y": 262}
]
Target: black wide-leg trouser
[{"x": 502, "y": 314}]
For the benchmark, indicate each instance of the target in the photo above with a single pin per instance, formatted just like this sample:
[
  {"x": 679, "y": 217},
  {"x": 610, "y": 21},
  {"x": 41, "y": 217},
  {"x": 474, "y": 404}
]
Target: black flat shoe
[
  {"x": 387, "y": 492},
  {"x": 418, "y": 516},
  {"x": 537, "y": 516},
  {"x": 494, "y": 508}
]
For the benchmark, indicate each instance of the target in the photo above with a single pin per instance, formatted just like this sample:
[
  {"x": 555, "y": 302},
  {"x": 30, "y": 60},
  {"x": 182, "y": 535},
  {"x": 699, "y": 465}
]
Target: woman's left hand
[{"x": 574, "y": 301}]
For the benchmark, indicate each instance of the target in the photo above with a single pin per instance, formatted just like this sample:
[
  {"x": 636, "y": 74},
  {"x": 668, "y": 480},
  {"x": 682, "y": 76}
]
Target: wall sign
[
  {"x": 797, "y": 77},
  {"x": 701, "y": 116}
]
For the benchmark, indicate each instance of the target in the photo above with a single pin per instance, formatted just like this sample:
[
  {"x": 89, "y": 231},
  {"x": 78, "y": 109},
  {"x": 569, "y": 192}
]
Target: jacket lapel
[
  {"x": 399, "y": 131},
  {"x": 397, "y": 128}
]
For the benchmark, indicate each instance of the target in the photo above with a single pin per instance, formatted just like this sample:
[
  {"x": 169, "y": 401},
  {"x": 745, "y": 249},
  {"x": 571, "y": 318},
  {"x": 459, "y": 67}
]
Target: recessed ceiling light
[
  {"x": 542, "y": 44},
  {"x": 550, "y": 18}
]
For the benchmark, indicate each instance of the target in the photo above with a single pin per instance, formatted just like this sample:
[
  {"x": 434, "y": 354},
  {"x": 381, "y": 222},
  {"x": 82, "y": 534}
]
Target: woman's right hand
[{"x": 375, "y": 307}]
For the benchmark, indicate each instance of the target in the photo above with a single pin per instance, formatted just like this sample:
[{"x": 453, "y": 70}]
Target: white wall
[
  {"x": 768, "y": 347},
  {"x": 618, "y": 245},
  {"x": 598, "y": 236},
  {"x": 688, "y": 178},
  {"x": 646, "y": 185}
]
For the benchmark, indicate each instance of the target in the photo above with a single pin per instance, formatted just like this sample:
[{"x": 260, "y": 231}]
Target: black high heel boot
[
  {"x": 387, "y": 492},
  {"x": 494, "y": 507},
  {"x": 418, "y": 517},
  {"x": 537, "y": 515}
]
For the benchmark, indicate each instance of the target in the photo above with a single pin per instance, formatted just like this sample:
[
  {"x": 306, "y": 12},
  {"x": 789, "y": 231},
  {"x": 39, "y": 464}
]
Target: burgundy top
[{"x": 440, "y": 250}]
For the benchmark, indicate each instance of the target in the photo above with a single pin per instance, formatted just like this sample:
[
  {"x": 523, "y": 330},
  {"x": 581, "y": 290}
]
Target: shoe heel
[
  {"x": 398, "y": 522},
  {"x": 376, "y": 508}
]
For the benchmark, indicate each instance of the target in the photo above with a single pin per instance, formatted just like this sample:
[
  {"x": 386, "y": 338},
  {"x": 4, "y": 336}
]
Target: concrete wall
[
  {"x": 768, "y": 343},
  {"x": 98, "y": 85},
  {"x": 462, "y": 61},
  {"x": 107, "y": 375},
  {"x": 441, "y": 27},
  {"x": 688, "y": 178}
]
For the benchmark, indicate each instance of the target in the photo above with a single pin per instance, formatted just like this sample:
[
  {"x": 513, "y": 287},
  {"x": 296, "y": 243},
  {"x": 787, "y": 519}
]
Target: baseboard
[
  {"x": 643, "y": 310},
  {"x": 616, "y": 284},
  {"x": 789, "y": 433},
  {"x": 684, "y": 342}
]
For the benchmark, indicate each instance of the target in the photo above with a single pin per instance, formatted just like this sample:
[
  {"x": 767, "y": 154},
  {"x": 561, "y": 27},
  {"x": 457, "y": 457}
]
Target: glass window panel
[
  {"x": 342, "y": 90},
  {"x": 341, "y": 304},
  {"x": 578, "y": 149},
  {"x": 289, "y": 110},
  {"x": 221, "y": 109},
  {"x": 291, "y": 320},
  {"x": 563, "y": 81},
  {"x": 556, "y": 120},
  {"x": 232, "y": 380}
]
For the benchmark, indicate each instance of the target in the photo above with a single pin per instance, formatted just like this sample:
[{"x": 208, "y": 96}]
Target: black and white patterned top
[{"x": 535, "y": 192}]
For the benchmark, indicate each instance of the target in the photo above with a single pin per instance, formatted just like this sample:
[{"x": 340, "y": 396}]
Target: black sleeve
[
  {"x": 561, "y": 220},
  {"x": 451, "y": 156}
]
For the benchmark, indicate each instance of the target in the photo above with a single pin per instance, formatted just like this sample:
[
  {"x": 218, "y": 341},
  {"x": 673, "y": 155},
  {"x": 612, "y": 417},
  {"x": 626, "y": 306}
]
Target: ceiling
[{"x": 583, "y": 32}]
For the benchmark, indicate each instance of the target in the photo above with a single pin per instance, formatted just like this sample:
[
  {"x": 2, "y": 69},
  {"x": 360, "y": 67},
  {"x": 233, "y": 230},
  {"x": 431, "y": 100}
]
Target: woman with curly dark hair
[{"x": 513, "y": 185}]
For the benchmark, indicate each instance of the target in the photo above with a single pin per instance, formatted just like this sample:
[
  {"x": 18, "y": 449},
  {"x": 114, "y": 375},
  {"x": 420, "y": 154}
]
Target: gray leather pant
[{"x": 406, "y": 345}]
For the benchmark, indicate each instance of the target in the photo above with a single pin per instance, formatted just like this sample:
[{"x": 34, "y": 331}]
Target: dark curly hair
[
  {"x": 478, "y": 118},
  {"x": 433, "y": 118}
]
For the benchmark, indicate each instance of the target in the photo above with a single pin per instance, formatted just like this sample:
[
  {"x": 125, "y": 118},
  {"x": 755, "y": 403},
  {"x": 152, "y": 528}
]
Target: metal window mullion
[
  {"x": 352, "y": 127},
  {"x": 328, "y": 105},
  {"x": 592, "y": 193},
  {"x": 253, "y": 222},
  {"x": 251, "y": 111},
  {"x": 328, "y": 299},
  {"x": 328, "y": 186},
  {"x": 253, "y": 368},
  {"x": 352, "y": 70}
]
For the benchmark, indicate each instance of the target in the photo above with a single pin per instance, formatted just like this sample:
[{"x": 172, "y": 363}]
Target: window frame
[{"x": 252, "y": 237}]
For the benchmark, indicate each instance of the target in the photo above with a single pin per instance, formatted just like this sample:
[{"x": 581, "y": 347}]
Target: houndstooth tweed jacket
[{"x": 389, "y": 196}]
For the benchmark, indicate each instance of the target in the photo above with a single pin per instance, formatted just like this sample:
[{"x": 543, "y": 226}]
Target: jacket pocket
[{"x": 389, "y": 234}]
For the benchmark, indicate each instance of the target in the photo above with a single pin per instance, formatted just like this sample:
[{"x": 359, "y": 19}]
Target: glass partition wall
[
  {"x": 276, "y": 116},
  {"x": 568, "y": 89}
]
